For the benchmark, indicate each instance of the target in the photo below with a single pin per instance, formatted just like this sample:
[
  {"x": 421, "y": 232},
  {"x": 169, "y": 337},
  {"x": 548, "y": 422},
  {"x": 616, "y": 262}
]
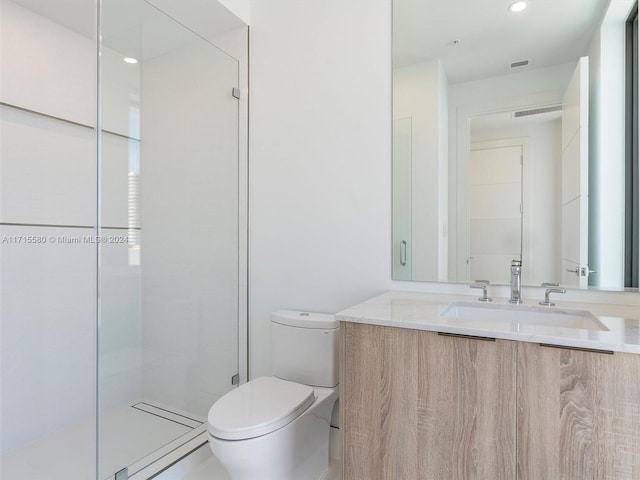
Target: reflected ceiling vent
[
  {"x": 519, "y": 64},
  {"x": 537, "y": 111}
]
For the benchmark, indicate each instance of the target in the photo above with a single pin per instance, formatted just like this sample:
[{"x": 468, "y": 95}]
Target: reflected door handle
[
  {"x": 403, "y": 253},
  {"x": 581, "y": 271}
]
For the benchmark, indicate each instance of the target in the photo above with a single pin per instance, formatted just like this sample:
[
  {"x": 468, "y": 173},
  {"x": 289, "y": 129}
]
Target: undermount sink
[{"x": 521, "y": 314}]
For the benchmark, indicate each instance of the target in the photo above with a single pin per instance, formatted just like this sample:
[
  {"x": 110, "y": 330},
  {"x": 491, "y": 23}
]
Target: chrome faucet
[
  {"x": 547, "y": 302},
  {"x": 516, "y": 271}
]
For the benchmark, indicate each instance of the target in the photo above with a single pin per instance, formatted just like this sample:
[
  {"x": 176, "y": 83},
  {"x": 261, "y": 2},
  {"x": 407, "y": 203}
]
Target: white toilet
[{"x": 278, "y": 427}]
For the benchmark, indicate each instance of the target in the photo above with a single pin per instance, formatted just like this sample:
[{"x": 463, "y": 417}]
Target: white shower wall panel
[
  {"x": 58, "y": 75},
  {"x": 47, "y": 342},
  {"x": 48, "y": 177},
  {"x": 119, "y": 181},
  {"x": 119, "y": 94},
  {"x": 48, "y": 170},
  {"x": 119, "y": 281},
  {"x": 120, "y": 366}
]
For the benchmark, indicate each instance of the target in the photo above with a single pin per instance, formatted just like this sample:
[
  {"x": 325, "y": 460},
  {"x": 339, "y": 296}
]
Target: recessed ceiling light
[
  {"x": 130, "y": 60},
  {"x": 517, "y": 6}
]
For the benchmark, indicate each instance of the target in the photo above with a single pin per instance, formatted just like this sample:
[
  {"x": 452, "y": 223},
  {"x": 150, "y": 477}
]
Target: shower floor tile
[
  {"x": 69, "y": 453},
  {"x": 126, "y": 435}
]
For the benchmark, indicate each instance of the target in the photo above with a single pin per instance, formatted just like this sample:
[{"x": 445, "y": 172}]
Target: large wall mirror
[{"x": 515, "y": 137}]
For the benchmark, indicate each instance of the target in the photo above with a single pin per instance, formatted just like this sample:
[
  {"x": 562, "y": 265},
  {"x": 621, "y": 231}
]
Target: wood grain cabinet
[
  {"x": 419, "y": 405},
  {"x": 578, "y": 414}
]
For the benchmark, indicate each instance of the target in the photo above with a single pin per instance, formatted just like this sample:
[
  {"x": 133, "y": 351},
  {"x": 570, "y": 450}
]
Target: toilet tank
[{"x": 305, "y": 347}]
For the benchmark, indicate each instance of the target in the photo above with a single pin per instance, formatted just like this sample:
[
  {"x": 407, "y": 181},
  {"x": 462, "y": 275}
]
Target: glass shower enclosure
[{"x": 121, "y": 259}]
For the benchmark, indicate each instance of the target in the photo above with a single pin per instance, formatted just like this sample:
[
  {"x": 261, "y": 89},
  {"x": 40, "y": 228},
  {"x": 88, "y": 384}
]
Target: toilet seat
[{"x": 258, "y": 407}]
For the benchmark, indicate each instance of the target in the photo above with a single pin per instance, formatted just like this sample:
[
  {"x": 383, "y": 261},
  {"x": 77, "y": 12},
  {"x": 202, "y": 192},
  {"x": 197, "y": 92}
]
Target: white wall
[
  {"x": 320, "y": 151},
  {"x": 443, "y": 176}
]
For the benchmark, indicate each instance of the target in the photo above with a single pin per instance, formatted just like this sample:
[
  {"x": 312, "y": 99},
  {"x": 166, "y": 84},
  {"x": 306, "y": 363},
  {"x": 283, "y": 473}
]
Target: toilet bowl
[
  {"x": 276, "y": 427},
  {"x": 286, "y": 443}
]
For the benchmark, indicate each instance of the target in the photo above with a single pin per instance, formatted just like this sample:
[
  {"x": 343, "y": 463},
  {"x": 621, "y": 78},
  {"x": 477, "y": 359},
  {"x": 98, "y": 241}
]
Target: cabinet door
[
  {"x": 380, "y": 393},
  {"x": 466, "y": 408},
  {"x": 418, "y": 405},
  {"x": 578, "y": 414}
]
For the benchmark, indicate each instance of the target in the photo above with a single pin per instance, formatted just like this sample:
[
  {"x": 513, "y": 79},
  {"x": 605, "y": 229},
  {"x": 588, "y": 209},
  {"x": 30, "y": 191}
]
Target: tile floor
[
  {"x": 127, "y": 435},
  {"x": 211, "y": 469}
]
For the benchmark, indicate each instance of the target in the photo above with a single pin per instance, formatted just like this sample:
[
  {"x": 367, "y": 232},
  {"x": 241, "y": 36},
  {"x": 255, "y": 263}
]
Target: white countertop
[{"x": 422, "y": 311}]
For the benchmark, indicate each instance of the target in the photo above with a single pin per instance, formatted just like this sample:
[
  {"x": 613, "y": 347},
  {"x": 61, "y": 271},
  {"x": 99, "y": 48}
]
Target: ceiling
[
  {"x": 548, "y": 32},
  {"x": 490, "y": 38},
  {"x": 506, "y": 120},
  {"x": 141, "y": 29}
]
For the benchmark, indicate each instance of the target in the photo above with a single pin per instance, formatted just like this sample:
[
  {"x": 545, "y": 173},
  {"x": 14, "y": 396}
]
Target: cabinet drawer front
[
  {"x": 418, "y": 405},
  {"x": 578, "y": 414}
]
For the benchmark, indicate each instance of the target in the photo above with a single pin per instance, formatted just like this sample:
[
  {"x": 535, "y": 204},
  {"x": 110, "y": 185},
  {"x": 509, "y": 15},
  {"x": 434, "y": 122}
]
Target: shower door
[
  {"x": 118, "y": 233},
  {"x": 168, "y": 233}
]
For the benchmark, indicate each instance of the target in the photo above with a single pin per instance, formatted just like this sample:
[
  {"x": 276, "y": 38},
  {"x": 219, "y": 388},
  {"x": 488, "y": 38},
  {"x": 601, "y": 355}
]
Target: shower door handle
[{"x": 403, "y": 253}]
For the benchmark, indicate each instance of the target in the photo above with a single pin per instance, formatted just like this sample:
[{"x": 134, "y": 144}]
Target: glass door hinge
[{"x": 122, "y": 474}]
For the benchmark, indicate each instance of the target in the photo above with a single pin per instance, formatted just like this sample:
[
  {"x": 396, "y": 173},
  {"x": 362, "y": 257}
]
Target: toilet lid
[{"x": 258, "y": 407}]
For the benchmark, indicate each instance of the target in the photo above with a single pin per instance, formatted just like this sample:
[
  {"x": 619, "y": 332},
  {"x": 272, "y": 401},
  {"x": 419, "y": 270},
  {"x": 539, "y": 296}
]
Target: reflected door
[
  {"x": 495, "y": 211},
  {"x": 402, "y": 198}
]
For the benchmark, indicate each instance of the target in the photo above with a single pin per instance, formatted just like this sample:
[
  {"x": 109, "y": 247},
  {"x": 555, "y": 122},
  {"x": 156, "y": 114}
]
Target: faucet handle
[
  {"x": 549, "y": 284},
  {"x": 482, "y": 284},
  {"x": 485, "y": 282},
  {"x": 547, "y": 302}
]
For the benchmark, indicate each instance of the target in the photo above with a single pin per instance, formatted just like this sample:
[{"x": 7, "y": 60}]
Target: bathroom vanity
[{"x": 429, "y": 396}]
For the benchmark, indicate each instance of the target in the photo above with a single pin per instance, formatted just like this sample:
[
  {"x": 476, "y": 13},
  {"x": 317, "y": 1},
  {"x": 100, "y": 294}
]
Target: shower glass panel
[
  {"x": 119, "y": 227},
  {"x": 48, "y": 174},
  {"x": 168, "y": 248}
]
